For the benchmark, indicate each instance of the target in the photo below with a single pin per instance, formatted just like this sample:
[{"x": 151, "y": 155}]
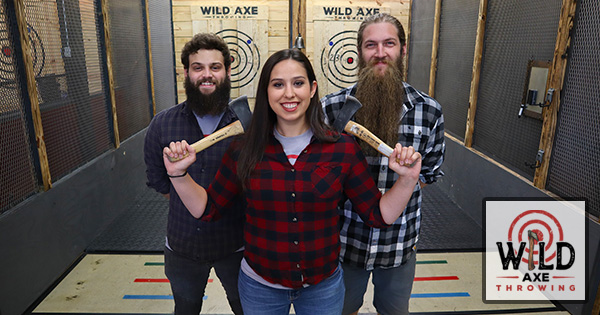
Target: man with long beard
[
  {"x": 397, "y": 113},
  {"x": 192, "y": 246}
]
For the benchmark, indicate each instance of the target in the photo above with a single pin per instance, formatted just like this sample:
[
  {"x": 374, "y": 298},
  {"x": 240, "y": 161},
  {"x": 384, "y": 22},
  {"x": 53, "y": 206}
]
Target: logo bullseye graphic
[
  {"x": 535, "y": 249},
  {"x": 245, "y": 57},
  {"x": 536, "y": 226},
  {"x": 339, "y": 59}
]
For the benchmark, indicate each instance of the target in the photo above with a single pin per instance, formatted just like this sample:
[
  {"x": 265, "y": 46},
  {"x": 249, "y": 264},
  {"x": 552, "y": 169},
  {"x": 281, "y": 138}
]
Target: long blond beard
[{"x": 382, "y": 97}]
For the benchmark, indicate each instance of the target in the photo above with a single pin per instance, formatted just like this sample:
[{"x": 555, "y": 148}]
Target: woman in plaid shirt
[{"x": 293, "y": 172}]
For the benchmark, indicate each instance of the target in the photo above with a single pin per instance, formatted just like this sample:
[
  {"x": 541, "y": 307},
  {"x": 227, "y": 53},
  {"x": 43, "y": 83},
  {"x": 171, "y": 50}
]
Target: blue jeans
[
  {"x": 326, "y": 297},
  {"x": 392, "y": 287},
  {"x": 188, "y": 280}
]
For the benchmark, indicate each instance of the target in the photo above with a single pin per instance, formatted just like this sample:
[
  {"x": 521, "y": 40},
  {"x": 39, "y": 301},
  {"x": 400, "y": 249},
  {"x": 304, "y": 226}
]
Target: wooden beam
[
  {"x": 434, "y": 47},
  {"x": 150, "y": 64},
  {"x": 298, "y": 18},
  {"x": 557, "y": 75},
  {"x": 407, "y": 27},
  {"x": 476, "y": 74},
  {"x": 111, "y": 78},
  {"x": 33, "y": 93}
]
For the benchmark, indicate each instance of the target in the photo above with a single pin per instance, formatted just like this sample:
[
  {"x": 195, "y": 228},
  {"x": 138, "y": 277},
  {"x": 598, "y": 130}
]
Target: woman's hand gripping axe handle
[
  {"x": 343, "y": 122},
  {"x": 242, "y": 110}
]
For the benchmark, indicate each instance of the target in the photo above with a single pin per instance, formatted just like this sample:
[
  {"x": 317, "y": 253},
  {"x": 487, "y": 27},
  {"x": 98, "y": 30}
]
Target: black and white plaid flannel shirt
[{"x": 421, "y": 126}]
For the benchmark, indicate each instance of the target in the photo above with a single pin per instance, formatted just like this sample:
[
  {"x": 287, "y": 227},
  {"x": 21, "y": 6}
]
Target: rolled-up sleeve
[
  {"x": 156, "y": 172},
  {"x": 435, "y": 148}
]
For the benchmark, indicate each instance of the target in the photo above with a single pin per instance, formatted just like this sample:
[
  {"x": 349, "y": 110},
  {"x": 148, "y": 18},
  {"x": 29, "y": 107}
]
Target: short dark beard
[
  {"x": 212, "y": 104},
  {"x": 382, "y": 97}
]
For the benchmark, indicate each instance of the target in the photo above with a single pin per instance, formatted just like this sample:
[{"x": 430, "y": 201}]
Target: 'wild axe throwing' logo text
[{"x": 535, "y": 250}]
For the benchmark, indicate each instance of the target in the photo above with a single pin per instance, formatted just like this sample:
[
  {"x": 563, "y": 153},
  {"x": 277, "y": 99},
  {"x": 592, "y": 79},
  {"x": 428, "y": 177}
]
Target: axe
[
  {"x": 532, "y": 236},
  {"x": 343, "y": 122},
  {"x": 242, "y": 110}
]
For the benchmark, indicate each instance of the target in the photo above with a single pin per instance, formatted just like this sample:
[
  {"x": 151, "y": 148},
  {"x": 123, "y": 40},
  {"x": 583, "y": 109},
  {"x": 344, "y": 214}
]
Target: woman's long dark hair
[{"x": 264, "y": 118}]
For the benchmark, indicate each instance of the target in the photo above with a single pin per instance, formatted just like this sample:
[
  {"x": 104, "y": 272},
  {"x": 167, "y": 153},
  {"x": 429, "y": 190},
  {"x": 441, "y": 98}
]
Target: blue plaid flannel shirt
[{"x": 188, "y": 236}]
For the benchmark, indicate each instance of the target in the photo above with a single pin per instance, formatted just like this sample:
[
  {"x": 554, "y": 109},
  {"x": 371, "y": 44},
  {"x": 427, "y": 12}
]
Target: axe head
[
  {"x": 345, "y": 114},
  {"x": 242, "y": 110},
  {"x": 532, "y": 234}
]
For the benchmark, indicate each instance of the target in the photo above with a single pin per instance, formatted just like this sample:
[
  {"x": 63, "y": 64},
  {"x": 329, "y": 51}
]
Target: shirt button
[
  {"x": 198, "y": 229},
  {"x": 293, "y": 195},
  {"x": 295, "y": 242},
  {"x": 298, "y": 266},
  {"x": 293, "y": 170},
  {"x": 383, "y": 167},
  {"x": 295, "y": 219},
  {"x": 305, "y": 151},
  {"x": 202, "y": 170}
]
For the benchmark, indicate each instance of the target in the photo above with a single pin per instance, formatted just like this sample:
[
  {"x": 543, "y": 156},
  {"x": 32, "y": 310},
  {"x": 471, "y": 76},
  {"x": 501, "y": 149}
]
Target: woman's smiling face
[{"x": 290, "y": 91}]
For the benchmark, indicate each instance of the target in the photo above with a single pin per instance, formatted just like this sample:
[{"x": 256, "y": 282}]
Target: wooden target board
[
  {"x": 243, "y": 25},
  {"x": 334, "y": 26}
]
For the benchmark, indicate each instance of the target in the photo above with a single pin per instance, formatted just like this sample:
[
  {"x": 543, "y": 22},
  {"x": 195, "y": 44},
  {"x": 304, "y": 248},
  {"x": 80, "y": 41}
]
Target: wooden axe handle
[
  {"x": 235, "y": 128},
  {"x": 367, "y": 136}
]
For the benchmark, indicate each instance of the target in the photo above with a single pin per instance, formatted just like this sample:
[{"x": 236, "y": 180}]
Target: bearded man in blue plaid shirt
[
  {"x": 397, "y": 113},
  {"x": 193, "y": 247}
]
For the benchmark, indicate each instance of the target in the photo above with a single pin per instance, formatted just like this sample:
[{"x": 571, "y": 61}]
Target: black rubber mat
[
  {"x": 445, "y": 226},
  {"x": 142, "y": 228}
]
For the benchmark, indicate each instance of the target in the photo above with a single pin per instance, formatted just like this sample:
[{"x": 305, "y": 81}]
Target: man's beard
[
  {"x": 382, "y": 97},
  {"x": 212, "y": 104}
]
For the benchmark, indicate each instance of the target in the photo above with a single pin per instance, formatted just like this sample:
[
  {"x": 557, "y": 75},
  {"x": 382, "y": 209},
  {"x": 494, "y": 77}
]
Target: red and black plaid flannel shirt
[{"x": 292, "y": 214}]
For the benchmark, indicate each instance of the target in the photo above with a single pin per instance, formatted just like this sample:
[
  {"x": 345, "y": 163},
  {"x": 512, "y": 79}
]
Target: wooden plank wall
[
  {"x": 43, "y": 18},
  {"x": 331, "y": 37},
  {"x": 329, "y": 25},
  {"x": 44, "y": 35},
  {"x": 92, "y": 54}
]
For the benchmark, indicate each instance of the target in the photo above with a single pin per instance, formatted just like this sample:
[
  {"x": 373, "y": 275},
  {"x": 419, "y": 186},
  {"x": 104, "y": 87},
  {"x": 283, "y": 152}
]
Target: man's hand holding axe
[
  {"x": 343, "y": 123},
  {"x": 242, "y": 110}
]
